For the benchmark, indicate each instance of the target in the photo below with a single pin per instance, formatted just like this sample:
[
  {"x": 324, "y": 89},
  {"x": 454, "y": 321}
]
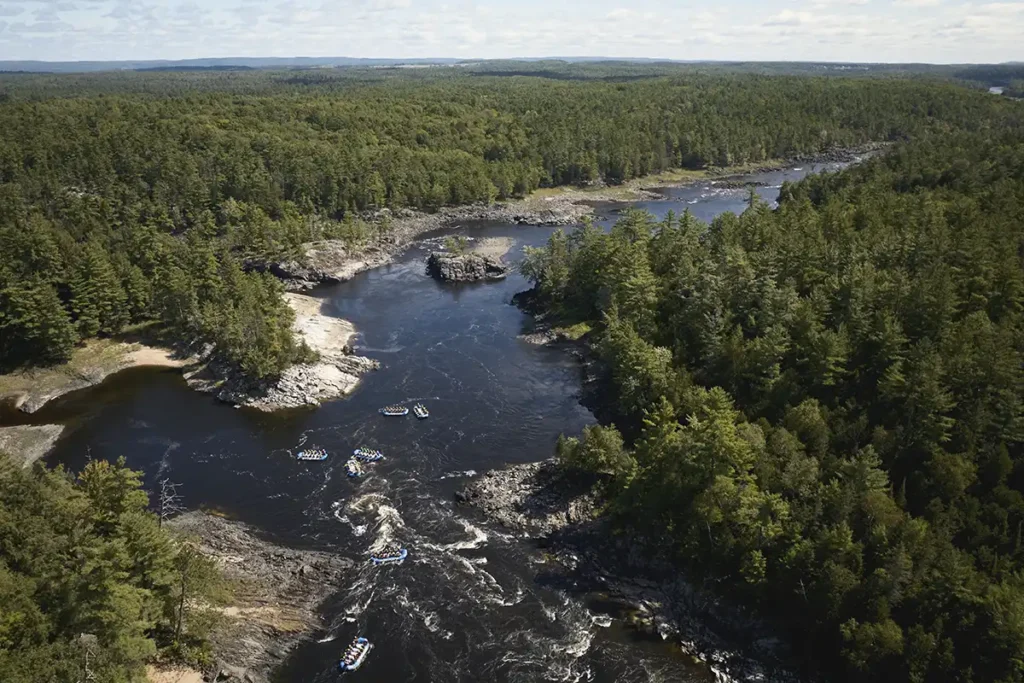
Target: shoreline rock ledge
[
  {"x": 335, "y": 374},
  {"x": 276, "y": 597},
  {"x": 466, "y": 267}
]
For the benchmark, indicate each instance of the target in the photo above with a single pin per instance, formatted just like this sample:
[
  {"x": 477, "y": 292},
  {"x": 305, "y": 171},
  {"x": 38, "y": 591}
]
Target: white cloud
[
  {"x": 384, "y": 5},
  {"x": 837, "y": 30},
  {"x": 788, "y": 17},
  {"x": 621, "y": 13},
  {"x": 1003, "y": 8},
  {"x": 916, "y": 3}
]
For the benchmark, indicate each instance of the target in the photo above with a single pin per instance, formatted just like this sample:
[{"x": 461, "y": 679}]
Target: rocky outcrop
[
  {"x": 465, "y": 267},
  {"x": 25, "y": 444},
  {"x": 535, "y": 498},
  {"x": 331, "y": 261},
  {"x": 278, "y": 592},
  {"x": 583, "y": 553},
  {"x": 306, "y": 384},
  {"x": 335, "y": 374}
]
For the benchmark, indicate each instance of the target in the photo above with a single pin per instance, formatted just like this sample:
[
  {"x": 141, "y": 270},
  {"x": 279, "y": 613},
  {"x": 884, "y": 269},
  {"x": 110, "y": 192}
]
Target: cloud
[
  {"x": 40, "y": 27},
  {"x": 388, "y": 5},
  {"x": 46, "y": 14},
  {"x": 838, "y": 30},
  {"x": 1003, "y": 8},
  {"x": 621, "y": 13},
  {"x": 788, "y": 17}
]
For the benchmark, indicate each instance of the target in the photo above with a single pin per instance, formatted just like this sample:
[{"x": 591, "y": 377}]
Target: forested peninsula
[
  {"x": 818, "y": 409},
  {"x": 164, "y": 197}
]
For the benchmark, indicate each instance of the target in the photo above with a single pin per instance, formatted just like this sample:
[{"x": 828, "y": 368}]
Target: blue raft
[
  {"x": 388, "y": 558},
  {"x": 355, "y": 655},
  {"x": 364, "y": 454},
  {"x": 315, "y": 454}
]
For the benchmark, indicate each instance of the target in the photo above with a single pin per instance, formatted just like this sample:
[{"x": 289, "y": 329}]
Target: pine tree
[
  {"x": 34, "y": 326},
  {"x": 97, "y": 298}
]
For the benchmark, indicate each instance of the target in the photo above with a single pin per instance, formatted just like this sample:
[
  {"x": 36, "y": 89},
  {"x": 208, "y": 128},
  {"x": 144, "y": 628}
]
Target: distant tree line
[
  {"x": 820, "y": 408},
  {"x": 162, "y": 196}
]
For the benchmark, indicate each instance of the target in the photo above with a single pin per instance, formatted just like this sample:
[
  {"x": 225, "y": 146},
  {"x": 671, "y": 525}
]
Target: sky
[{"x": 937, "y": 31}]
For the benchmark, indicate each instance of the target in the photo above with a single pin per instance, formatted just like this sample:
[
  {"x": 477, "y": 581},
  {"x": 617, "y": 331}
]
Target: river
[{"x": 471, "y": 604}]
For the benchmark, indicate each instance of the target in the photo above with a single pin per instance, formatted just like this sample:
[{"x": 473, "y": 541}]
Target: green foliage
[
  {"x": 84, "y": 556},
  {"x": 141, "y": 195},
  {"x": 456, "y": 244},
  {"x": 33, "y": 323},
  {"x": 823, "y": 403},
  {"x": 600, "y": 451}
]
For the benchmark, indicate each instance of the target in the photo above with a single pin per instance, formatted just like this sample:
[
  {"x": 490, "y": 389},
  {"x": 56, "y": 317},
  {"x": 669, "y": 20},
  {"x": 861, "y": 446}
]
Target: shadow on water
[{"x": 467, "y": 605}]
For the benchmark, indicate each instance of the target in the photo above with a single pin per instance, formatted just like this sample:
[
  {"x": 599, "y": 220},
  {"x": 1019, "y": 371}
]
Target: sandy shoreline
[
  {"x": 336, "y": 373},
  {"x": 331, "y": 261},
  {"x": 30, "y": 390}
]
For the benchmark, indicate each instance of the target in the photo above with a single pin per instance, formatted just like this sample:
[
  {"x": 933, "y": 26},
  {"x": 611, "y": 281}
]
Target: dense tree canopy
[
  {"x": 130, "y": 197},
  {"x": 824, "y": 403},
  {"x": 90, "y": 585}
]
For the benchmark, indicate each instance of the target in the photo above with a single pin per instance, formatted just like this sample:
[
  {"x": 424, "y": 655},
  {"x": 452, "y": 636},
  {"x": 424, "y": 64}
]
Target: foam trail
[
  {"x": 457, "y": 475},
  {"x": 479, "y": 537}
]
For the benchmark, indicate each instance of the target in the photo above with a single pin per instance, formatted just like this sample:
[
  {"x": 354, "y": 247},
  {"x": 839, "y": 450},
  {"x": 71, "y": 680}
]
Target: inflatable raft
[
  {"x": 390, "y": 556},
  {"x": 394, "y": 411},
  {"x": 364, "y": 454},
  {"x": 312, "y": 454},
  {"x": 353, "y": 468},
  {"x": 355, "y": 655},
  {"x": 421, "y": 411}
]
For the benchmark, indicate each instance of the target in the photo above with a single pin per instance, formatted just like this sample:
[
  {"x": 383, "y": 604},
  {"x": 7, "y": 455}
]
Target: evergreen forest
[
  {"x": 91, "y": 587},
  {"x": 134, "y": 197},
  {"x": 817, "y": 409}
]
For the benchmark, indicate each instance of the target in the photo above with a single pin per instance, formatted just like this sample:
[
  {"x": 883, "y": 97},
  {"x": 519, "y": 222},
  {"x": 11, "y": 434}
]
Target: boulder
[{"x": 465, "y": 267}]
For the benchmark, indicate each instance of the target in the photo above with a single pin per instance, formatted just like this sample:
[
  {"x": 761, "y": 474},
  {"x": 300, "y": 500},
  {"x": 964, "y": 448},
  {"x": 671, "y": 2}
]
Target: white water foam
[
  {"x": 479, "y": 537},
  {"x": 457, "y": 475}
]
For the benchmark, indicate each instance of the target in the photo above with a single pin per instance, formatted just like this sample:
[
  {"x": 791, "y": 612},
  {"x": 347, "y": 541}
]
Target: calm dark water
[{"x": 468, "y": 605}]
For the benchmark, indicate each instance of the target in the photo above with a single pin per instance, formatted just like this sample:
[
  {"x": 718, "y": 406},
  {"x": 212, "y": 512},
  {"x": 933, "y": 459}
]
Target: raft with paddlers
[
  {"x": 364, "y": 454},
  {"x": 312, "y": 454},
  {"x": 353, "y": 468},
  {"x": 355, "y": 655},
  {"x": 421, "y": 411},
  {"x": 391, "y": 554},
  {"x": 394, "y": 411}
]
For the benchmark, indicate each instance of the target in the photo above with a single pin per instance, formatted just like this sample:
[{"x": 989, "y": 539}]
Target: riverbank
[
  {"x": 334, "y": 261},
  {"x": 276, "y": 597},
  {"x": 29, "y": 390},
  {"x": 27, "y": 443},
  {"x": 336, "y": 372},
  {"x": 585, "y": 554}
]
